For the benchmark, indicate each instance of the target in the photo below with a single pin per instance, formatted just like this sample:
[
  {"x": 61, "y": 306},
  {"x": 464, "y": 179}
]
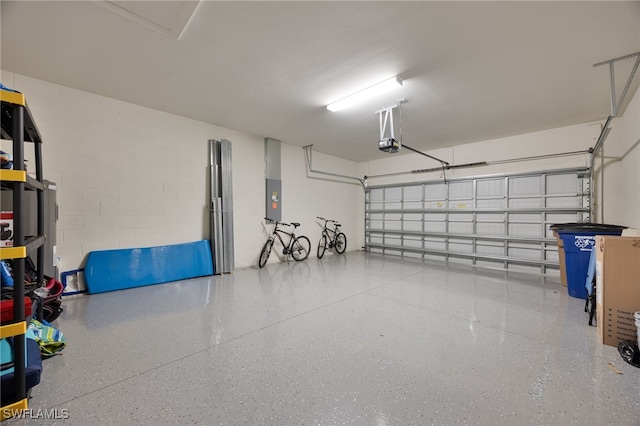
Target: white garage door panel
[
  {"x": 376, "y": 224},
  {"x": 376, "y": 195},
  {"x": 410, "y": 217},
  {"x": 392, "y": 193},
  {"x": 562, "y": 184},
  {"x": 462, "y": 260},
  {"x": 376, "y": 238},
  {"x": 412, "y": 205},
  {"x": 414, "y": 255},
  {"x": 392, "y": 205},
  {"x": 461, "y": 228},
  {"x": 460, "y": 247},
  {"x": 491, "y": 203},
  {"x": 523, "y": 268},
  {"x": 435, "y": 227},
  {"x": 562, "y": 217},
  {"x": 491, "y": 229},
  {"x": 413, "y": 193},
  {"x": 565, "y": 201},
  {"x": 502, "y": 221},
  {"x": 461, "y": 204},
  {"x": 526, "y": 203},
  {"x": 435, "y": 244},
  {"x": 525, "y": 217},
  {"x": 490, "y": 188},
  {"x": 525, "y": 230},
  {"x": 488, "y": 250},
  {"x": 460, "y": 190},
  {"x": 435, "y": 191},
  {"x": 551, "y": 255},
  {"x": 435, "y": 204},
  {"x": 413, "y": 242},
  {"x": 492, "y": 264},
  {"x": 527, "y": 185},
  {"x": 395, "y": 225},
  {"x": 490, "y": 217},
  {"x": 412, "y": 226},
  {"x": 522, "y": 253},
  {"x": 392, "y": 240},
  {"x": 437, "y": 257}
]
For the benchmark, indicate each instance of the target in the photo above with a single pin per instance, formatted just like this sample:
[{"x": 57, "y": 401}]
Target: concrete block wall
[{"x": 130, "y": 176}]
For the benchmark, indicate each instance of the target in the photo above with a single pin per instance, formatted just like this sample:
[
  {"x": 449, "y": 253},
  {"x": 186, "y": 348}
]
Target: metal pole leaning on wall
[{"x": 221, "y": 206}]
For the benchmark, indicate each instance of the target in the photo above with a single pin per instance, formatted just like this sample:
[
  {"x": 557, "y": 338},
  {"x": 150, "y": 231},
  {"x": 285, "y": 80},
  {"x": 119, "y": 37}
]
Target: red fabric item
[{"x": 6, "y": 307}]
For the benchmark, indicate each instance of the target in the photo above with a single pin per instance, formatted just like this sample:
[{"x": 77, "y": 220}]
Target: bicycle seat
[
  {"x": 337, "y": 225},
  {"x": 294, "y": 224}
]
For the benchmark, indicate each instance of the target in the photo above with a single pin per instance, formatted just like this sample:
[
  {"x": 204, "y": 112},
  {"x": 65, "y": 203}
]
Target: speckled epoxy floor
[{"x": 356, "y": 339}]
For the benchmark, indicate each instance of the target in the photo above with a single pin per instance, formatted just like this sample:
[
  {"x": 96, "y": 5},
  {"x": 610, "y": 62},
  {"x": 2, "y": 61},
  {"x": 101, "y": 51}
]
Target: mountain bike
[
  {"x": 331, "y": 238},
  {"x": 298, "y": 247}
]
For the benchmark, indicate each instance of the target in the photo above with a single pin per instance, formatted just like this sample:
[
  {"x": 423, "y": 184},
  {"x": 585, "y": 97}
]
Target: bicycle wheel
[
  {"x": 265, "y": 253},
  {"x": 341, "y": 243},
  {"x": 300, "y": 248},
  {"x": 322, "y": 246}
]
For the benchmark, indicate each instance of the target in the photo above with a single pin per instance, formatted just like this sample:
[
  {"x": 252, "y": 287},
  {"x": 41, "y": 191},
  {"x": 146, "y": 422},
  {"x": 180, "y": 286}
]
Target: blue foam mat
[{"x": 109, "y": 270}]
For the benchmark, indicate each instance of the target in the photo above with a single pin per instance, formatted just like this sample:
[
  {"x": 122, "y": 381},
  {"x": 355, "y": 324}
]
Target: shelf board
[
  {"x": 14, "y": 98},
  {"x": 14, "y": 329},
  {"x": 19, "y": 252},
  {"x": 16, "y": 176},
  {"x": 13, "y": 175},
  {"x": 12, "y": 410},
  {"x": 9, "y": 99}
]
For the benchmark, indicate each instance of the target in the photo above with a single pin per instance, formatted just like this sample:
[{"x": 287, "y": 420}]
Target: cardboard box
[
  {"x": 6, "y": 229},
  {"x": 617, "y": 287},
  {"x": 561, "y": 259}
]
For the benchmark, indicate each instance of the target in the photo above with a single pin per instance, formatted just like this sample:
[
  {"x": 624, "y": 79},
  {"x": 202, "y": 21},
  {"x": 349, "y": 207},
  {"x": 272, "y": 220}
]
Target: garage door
[{"x": 498, "y": 221}]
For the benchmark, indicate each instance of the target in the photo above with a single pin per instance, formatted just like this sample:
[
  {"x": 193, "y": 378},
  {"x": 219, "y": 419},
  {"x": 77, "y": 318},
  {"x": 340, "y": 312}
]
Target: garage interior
[{"x": 447, "y": 306}]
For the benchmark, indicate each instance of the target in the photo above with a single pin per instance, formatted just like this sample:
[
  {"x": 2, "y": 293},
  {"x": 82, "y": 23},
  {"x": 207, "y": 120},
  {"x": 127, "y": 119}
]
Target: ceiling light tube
[{"x": 365, "y": 94}]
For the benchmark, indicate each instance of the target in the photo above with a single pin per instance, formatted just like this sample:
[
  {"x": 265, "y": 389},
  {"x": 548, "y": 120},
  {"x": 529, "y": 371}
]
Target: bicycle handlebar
[
  {"x": 277, "y": 222},
  {"x": 326, "y": 220}
]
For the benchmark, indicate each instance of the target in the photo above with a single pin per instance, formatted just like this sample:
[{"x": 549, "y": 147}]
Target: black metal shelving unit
[{"x": 18, "y": 125}]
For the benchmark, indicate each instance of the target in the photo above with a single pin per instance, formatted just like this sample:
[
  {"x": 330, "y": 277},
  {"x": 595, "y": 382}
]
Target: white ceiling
[{"x": 472, "y": 70}]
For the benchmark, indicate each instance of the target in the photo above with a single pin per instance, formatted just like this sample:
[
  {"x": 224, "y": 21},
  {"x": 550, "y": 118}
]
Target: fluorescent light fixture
[{"x": 365, "y": 94}]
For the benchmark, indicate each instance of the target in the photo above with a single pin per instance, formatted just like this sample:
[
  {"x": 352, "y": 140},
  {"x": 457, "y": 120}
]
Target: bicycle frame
[
  {"x": 298, "y": 246},
  {"x": 277, "y": 232},
  {"x": 328, "y": 232}
]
